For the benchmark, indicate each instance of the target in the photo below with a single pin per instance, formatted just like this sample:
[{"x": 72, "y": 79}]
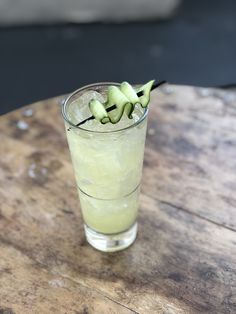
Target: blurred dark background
[{"x": 195, "y": 45}]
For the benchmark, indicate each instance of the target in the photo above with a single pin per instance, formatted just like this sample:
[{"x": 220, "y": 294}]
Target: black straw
[{"x": 114, "y": 106}]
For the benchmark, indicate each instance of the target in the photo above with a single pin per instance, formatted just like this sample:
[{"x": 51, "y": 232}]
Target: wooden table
[{"x": 184, "y": 259}]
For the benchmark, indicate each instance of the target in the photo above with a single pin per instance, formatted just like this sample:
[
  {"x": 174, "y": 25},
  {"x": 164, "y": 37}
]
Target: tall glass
[{"x": 108, "y": 170}]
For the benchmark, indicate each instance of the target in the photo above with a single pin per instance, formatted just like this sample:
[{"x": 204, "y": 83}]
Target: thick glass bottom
[{"x": 111, "y": 242}]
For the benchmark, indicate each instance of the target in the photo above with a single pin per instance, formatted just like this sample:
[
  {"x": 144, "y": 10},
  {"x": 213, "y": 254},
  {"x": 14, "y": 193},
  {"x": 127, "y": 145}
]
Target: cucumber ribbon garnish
[{"x": 120, "y": 100}]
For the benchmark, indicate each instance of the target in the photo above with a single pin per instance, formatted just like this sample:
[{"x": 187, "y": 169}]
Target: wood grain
[
  {"x": 191, "y": 152},
  {"x": 184, "y": 258},
  {"x": 26, "y": 287}
]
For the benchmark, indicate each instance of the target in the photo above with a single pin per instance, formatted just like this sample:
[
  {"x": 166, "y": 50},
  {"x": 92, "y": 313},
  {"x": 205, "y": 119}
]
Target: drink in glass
[{"x": 107, "y": 161}]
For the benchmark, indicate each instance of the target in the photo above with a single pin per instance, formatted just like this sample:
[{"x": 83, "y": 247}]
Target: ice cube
[
  {"x": 79, "y": 108},
  {"x": 79, "y": 111}
]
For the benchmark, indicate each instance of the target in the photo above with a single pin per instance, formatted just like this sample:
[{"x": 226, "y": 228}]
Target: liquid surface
[{"x": 79, "y": 111}]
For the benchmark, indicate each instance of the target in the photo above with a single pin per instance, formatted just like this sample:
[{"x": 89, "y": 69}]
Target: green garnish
[{"x": 120, "y": 100}]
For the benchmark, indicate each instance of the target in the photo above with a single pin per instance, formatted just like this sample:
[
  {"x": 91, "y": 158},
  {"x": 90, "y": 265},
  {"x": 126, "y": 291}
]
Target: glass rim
[{"x": 67, "y": 101}]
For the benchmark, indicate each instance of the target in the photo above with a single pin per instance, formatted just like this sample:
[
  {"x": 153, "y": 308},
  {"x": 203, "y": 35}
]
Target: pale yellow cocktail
[{"x": 107, "y": 161}]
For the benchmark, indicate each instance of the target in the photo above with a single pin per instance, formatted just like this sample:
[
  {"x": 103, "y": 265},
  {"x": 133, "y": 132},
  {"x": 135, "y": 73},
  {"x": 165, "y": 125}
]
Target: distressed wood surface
[{"x": 184, "y": 258}]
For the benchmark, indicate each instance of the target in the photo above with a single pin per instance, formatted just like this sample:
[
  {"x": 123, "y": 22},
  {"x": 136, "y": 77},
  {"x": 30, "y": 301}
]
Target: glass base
[{"x": 111, "y": 242}]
